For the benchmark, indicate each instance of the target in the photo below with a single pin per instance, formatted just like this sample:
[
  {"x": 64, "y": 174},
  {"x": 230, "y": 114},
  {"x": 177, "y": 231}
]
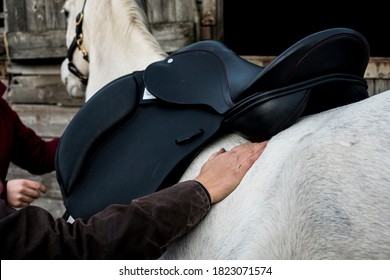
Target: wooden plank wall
[
  {"x": 36, "y": 46},
  {"x": 173, "y": 23},
  {"x": 178, "y": 23},
  {"x": 35, "y": 29}
]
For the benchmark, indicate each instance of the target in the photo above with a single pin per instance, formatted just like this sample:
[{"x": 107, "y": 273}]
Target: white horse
[{"x": 320, "y": 190}]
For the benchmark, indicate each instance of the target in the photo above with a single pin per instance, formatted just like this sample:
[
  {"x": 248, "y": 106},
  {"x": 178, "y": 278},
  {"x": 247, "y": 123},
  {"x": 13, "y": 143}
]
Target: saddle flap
[
  {"x": 149, "y": 151},
  {"x": 205, "y": 72}
]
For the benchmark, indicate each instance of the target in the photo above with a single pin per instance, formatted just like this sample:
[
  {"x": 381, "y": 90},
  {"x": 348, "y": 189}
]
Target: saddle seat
[{"x": 139, "y": 133}]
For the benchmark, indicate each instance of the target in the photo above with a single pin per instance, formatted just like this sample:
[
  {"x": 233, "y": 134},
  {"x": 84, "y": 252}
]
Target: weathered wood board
[{"x": 35, "y": 29}]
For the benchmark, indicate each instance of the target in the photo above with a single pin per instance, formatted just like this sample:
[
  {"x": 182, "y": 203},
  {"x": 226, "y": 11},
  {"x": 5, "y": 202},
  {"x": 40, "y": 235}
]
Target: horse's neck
[
  {"x": 120, "y": 48},
  {"x": 132, "y": 56}
]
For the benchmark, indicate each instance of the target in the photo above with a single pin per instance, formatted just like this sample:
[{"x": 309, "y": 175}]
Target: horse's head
[
  {"x": 116, "y": 37},
  {"x": 75, "y": 68}
]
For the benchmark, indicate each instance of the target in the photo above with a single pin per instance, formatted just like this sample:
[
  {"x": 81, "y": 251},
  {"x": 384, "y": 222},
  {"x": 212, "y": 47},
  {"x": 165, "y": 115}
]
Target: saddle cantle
[{"x": 122, "y": 145}]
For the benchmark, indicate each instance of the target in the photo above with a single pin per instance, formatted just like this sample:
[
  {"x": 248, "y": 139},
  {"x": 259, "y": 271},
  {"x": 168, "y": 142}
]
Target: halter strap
[{"x": 78, "y": 43}]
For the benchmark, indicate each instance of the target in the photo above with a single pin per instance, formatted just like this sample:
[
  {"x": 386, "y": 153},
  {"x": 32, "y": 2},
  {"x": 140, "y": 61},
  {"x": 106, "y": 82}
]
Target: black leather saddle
[{"x": 140, "y": 132}]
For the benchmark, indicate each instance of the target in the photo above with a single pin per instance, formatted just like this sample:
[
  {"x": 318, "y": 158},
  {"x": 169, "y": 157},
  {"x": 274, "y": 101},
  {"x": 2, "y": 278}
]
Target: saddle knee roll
[{"x": 261, "y": 121}]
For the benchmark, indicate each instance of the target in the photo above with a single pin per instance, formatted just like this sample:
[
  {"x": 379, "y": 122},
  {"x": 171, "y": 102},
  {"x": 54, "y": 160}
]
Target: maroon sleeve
[
  {"x": 3, "y": 191},
  {"x": 142, "y": 230},
  {"x": 29, "y": 150}
]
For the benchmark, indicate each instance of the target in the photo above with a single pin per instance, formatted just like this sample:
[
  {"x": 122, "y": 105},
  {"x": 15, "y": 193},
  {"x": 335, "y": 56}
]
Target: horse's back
[{"x": 321, "y": 190}]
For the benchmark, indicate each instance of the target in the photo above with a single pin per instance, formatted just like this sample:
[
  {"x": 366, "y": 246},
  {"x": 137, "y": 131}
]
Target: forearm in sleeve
[{"x": 141, "y": 230}]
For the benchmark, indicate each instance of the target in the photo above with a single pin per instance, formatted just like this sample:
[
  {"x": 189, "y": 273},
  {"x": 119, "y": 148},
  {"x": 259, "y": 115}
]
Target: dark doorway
[{"x": 270, "y": 27}]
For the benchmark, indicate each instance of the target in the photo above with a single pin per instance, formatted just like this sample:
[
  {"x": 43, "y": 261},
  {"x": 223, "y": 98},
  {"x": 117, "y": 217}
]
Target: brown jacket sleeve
[{"x": 142, "y": 230}]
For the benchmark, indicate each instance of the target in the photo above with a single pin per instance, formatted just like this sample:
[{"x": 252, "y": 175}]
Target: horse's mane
[{"x": 137, "y": 11}]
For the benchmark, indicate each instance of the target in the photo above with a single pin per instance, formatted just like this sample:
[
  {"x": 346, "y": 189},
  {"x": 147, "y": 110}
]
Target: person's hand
[
  {"x": 224, "y": 170},
  {"x": 22, "y": 192}
]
